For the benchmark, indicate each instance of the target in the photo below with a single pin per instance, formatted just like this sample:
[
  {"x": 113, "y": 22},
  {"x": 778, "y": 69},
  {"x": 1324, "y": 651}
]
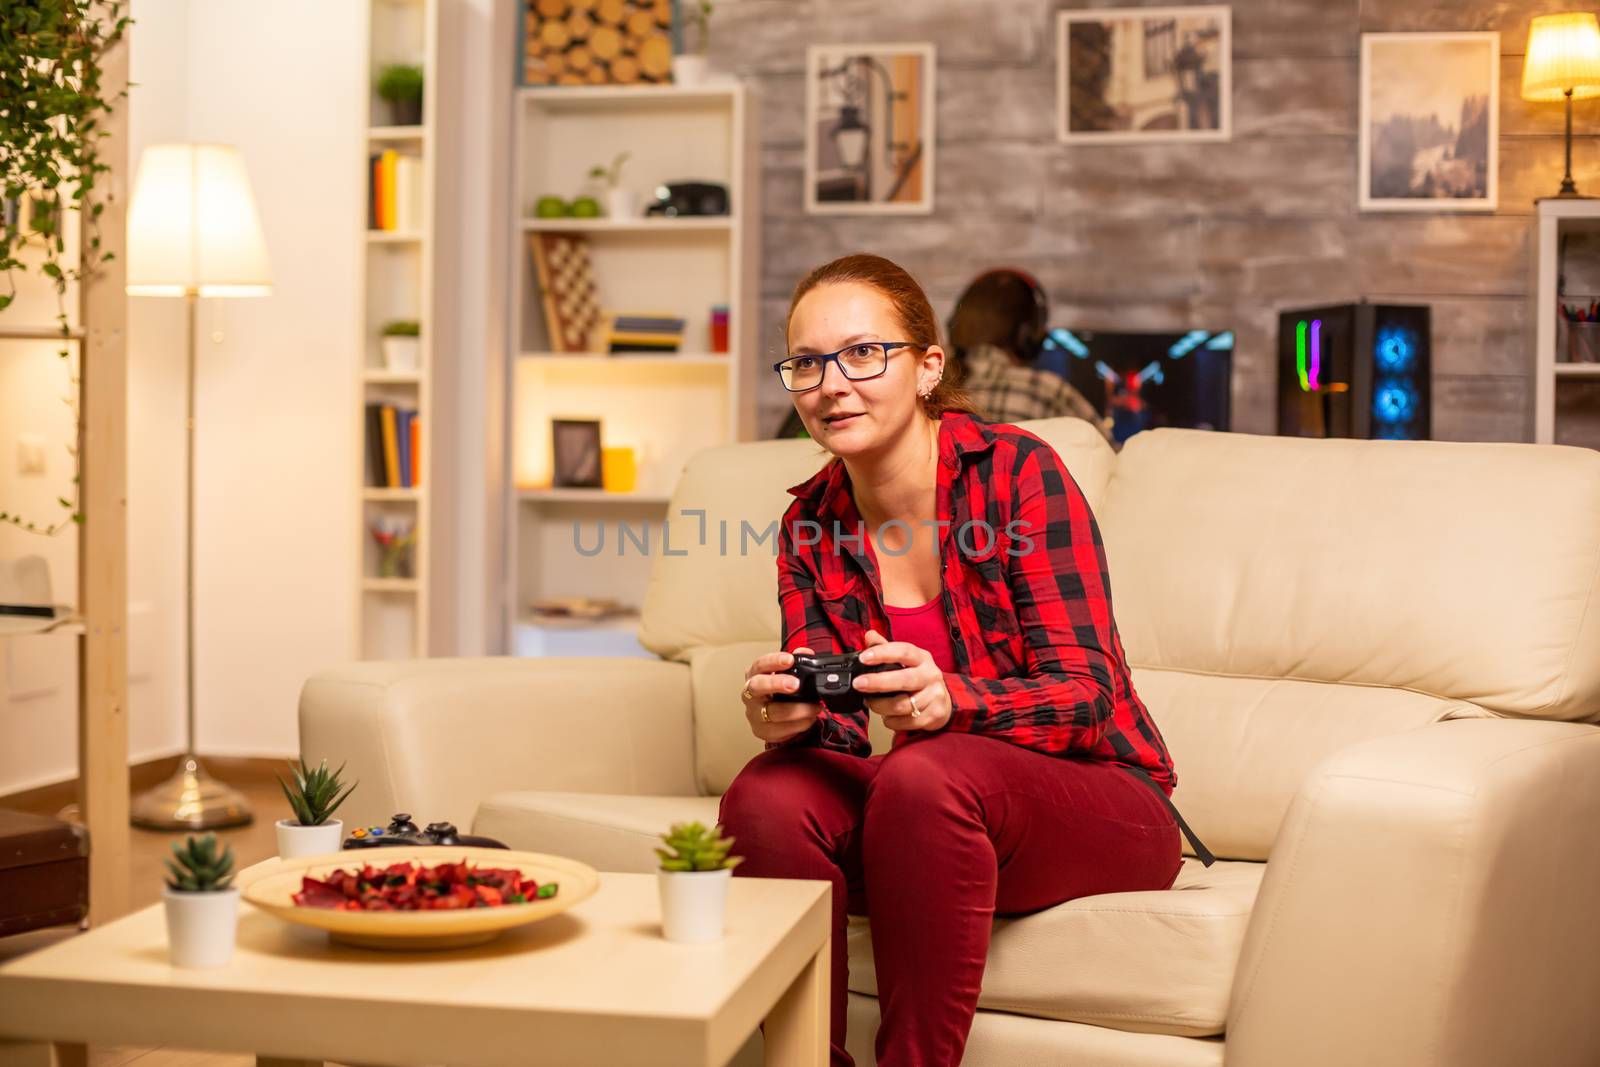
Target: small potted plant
[
  {"x": 694, "y": 879},
  {"x": 201, "y": 903},
  {"x": 402, "y": 344},
  {"x": 401, "y": 85},
  {"x": 689, "y": 66},
  {"x": 619, "y": 201},
  {"x": 314, "y": 797}
]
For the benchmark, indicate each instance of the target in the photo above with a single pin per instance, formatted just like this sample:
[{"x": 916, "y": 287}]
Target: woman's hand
[
  {"x": 775, "y": 721},
  {"x": 916, "y": 697}
]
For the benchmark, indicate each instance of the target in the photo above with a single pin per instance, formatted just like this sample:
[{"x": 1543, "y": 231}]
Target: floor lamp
[{"x": 193, "y": 232}]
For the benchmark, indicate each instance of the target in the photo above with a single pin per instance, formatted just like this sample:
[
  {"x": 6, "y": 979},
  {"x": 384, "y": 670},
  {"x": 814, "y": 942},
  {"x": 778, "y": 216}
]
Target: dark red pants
[{"x": 931, "y": 841}]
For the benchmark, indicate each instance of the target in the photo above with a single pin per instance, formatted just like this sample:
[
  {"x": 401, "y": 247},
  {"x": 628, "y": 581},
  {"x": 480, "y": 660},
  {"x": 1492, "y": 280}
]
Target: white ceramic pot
[
  {"x": 296, "y": 840},
  {"x": 401, "y": 353},
  {"x": 689, "y": 69},
  {"x": 201, "y": 927},
  {"x": 694, "y": 904},
  {"x": 619, "y": 205}
]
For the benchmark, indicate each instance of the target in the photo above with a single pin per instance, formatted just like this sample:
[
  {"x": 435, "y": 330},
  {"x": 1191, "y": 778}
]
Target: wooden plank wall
[{"x": 1169, "y": 236}]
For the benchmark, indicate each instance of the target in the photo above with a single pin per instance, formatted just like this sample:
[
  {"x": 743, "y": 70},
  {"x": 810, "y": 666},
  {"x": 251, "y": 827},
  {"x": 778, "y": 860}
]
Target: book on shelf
[
  {"x": 394, "y": 446},
  {"x": 644, "y": 333},
  {"x": 394, "y": 188}
]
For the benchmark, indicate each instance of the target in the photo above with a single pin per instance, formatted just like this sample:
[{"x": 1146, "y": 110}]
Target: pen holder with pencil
[{"x": 1583, "y": 342}]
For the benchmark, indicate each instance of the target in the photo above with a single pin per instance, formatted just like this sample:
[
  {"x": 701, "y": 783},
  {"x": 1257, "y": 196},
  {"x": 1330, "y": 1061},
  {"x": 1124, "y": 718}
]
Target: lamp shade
[
  {"x": 192, "y": 224},
  {"x": 1563, "y": 54}
]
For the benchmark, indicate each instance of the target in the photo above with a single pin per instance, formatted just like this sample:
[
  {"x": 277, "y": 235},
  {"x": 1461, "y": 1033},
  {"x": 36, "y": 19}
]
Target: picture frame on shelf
[
  {"x": 575, "y": 453},
  {"x": 1429, "y": 122},
  {"x": 870, "y": 129},
  {"x": 1144, "y": 75}
]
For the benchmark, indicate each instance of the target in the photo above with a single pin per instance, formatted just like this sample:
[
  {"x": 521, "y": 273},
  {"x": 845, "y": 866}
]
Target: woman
[{"x": 964, "y": 553}]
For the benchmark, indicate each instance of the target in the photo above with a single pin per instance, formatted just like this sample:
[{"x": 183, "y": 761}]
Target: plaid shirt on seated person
[{"x": 1027, "y": 597}]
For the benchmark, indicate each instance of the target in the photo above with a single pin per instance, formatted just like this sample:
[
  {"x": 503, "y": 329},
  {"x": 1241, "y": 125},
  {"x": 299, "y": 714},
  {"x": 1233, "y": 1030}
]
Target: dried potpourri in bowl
[{"x": 409, "y": 886}]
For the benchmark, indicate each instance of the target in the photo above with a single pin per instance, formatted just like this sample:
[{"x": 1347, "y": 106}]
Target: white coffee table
[{"x": 595, "y": 985}]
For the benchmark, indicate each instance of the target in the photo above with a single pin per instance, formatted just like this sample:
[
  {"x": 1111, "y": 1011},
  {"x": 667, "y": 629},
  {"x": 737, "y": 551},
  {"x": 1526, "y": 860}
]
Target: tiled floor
[{"x": 251, "y": 844}]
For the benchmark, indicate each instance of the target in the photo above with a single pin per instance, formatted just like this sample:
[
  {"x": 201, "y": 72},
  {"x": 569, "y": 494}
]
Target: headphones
[{"x": 1028, "y": 338}]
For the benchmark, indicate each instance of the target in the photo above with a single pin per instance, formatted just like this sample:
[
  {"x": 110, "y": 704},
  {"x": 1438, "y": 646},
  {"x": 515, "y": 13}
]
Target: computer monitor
[{"x": 1144, "y": 380}]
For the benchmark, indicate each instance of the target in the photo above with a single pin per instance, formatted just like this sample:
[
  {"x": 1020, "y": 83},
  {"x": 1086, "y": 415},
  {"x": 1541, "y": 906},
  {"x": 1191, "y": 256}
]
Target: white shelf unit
[
  {"x": 1567, "y": 250},
  {"x": 397, "y": 283},
  {"x": 666, "y": 407}
]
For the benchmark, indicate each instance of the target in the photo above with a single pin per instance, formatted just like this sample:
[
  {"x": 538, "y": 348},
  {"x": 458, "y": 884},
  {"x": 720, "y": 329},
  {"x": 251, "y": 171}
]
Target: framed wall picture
[
  {"x": 869, "y": 129},
  {"x": 1144, "y": 74},
  {"x": 1430, "y": 125},
  {"x": 575, "y": 453}
]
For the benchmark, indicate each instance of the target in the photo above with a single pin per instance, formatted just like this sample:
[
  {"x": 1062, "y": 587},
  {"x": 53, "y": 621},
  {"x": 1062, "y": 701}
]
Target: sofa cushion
[
  {"x": 1156, "y": 962},
  {"x": 610, "y": 832},
  {"x": 1242, "y": 746},
  {"x": 1160, "y": 962},
  {"x": 1469, "y": 571}
]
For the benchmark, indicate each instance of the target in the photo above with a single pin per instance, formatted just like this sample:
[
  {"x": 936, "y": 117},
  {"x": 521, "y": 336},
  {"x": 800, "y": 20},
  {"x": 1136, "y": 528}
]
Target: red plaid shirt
[{"x": 1026, "y": 595}]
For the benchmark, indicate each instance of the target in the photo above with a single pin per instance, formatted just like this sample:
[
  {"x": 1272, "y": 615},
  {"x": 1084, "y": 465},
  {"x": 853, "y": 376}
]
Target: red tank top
[{"x": 924, "y": 627}]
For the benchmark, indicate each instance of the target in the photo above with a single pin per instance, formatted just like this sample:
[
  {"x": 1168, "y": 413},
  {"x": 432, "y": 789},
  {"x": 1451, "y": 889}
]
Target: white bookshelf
[
  {"x": 1577, "y": 223},
  {"x": 397, "y": 283},
  {"x": 666, "y": 407}
]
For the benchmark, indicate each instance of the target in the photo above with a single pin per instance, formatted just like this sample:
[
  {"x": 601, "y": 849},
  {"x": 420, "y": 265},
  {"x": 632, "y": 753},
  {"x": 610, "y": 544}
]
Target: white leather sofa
[{"x": 1377, "y": 665}]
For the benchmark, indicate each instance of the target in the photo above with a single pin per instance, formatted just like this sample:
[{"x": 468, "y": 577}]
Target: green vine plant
[{"x": 51, "y": 111}]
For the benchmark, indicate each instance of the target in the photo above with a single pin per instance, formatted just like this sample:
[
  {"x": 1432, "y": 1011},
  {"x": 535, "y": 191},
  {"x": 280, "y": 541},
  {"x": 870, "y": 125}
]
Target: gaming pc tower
[{"x": 1355, "y": 370}]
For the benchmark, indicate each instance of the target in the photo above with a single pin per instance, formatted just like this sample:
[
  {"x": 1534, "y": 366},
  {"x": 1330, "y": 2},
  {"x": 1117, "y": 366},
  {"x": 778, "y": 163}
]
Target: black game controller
[
  {"x": 402, "y": 831},
  {"x": 827, "y": 679}
]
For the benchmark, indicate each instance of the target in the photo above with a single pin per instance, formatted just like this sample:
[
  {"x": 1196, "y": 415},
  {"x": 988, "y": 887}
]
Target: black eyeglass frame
[{"x": 833, "y": 357}]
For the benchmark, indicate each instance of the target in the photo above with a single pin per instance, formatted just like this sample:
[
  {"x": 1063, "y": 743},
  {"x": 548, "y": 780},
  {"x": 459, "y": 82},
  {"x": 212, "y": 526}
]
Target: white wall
[{"x": 276, "y": 513}]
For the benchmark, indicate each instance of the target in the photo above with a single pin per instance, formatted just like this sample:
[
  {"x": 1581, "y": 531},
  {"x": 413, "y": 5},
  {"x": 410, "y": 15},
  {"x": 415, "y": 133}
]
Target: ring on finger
[
  {"x": 764, "y": 717},
  {"x": 747, "y": 694},
  {"x": 915, "y": 711}
]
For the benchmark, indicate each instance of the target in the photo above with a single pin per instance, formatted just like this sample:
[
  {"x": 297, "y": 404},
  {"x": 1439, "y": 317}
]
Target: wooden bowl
[{"x": 272, "y": 890}]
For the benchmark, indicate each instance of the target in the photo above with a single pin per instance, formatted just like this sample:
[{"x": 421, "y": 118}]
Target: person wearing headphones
[{"x": 996, "y": 329}]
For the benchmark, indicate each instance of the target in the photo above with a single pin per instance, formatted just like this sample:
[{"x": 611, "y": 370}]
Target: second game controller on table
[
  {"x": 402, "y": 831},
  {"x": 827, "y": 679}
]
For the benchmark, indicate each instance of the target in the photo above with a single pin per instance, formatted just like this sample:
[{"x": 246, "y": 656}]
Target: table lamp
[
  {"x": 193, "y": 232},
  {"x": 1563, "y": 61}
]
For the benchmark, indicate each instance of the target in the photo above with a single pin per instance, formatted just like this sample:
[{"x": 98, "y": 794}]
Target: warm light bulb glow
[
  {"x": 1563, "y": 54},
  {"x": 192, "y": 224}
]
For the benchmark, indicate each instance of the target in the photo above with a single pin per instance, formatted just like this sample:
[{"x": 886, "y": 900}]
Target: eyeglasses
[{"x": 858, "y": 362}]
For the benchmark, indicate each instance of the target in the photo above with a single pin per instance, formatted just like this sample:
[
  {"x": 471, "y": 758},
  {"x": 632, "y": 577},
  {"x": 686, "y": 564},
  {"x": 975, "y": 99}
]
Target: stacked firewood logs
[{"x": 597, "y": 42}]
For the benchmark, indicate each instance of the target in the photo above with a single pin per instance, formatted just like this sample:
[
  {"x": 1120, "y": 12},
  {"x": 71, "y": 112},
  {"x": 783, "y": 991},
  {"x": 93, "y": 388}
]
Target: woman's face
[{"x": 852, "y": 418}]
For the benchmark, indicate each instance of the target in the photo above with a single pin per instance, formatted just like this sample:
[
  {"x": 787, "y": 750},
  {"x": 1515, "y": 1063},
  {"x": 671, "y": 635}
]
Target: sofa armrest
[
  {"x": 435, "y": 737},
  {"x": 1430, "y": 899}
]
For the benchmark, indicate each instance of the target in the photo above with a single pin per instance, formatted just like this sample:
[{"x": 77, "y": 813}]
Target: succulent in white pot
[
  {"x": 402, "y": 345},
  {"x": 314, "y": 797},
  {"x": 202, "y": 904},
  {"x": 693, "y": 880},
  {"x": 619, "y": 200}
]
